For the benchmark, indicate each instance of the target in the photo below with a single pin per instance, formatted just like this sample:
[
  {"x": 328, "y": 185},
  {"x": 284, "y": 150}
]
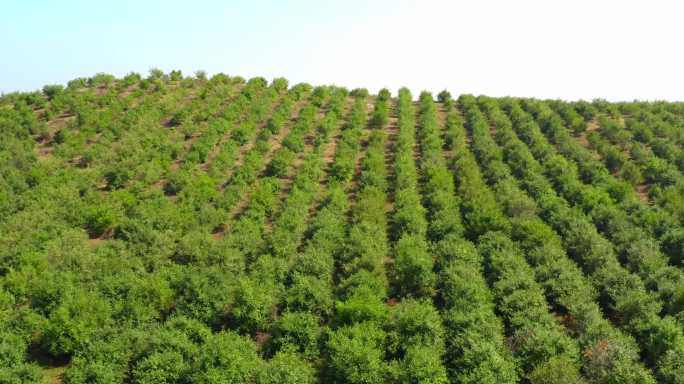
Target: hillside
[{"x": 175, "y": 229}]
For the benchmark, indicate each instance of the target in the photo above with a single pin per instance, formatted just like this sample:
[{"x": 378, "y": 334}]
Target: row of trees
[
  {"x": 538, "y": 342},
  {"x": 357, "y": 345},
  {"x": 412, "y": 271},
  {"x": 413, "y": 274},
  {"x": 475, "y": 348},
  {"x": 182, "y": 350}
]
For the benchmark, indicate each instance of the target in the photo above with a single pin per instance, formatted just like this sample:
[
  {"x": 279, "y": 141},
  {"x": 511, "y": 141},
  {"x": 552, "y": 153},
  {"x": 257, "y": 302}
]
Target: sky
[{"x": 615, "y": 50}]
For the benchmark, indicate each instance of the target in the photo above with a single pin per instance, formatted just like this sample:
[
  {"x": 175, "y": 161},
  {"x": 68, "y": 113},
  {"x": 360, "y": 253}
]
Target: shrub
[
  {"x": 280, "y": 163},
  {"x": 310, "y": 293},
  {"x": 558, "y": 370},
  {"x": 228, "y": 358},
  {"x": 384, "y": 95},
  {"x": 21, "y": 373},
  {"x": 176, "y": 75},
  {"x": 160, "y": 367},
  {"x": 156, "y": 74},
  {"x": 297, "y": 331},
  {"x": 52, "y": 91},
  {"x": 201, "y": 75},
  {"x": 60, "y": 136},
  {"x": 253, "y": 306},
  {"x": 413, "y": 267},
  {"x": 74, "y": 322},
  {"x": 78, "y": 83},
  {"x": 422, "y": 364},
  {"x": 413, "y": 323},
  {"x": 360, "y": 93},
  {"x": 362, "y": 303},
  {"x": 356, "y": 354},
  {"x": 101, "y": 79},
  {"x": 280, "y": 84},
  {"x": 673, "y": 245},
  {"x": 101, "y": 219},
  {"x": 444, "y": 97},
  {"x": 632, "y": 173},
  {"x": 287, "y": 368},
  {"x": 243, "y": 132},
  {"x": 131, "y": 79}
]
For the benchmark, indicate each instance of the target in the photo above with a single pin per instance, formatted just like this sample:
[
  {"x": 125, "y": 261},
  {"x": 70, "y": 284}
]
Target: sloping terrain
[{"x": 177, "y": 229}]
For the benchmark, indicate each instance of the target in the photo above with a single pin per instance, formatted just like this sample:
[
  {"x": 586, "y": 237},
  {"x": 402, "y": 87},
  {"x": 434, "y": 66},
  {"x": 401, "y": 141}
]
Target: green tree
[
  {"x": 298, "y": 331},
  {"x": 287, "y": 367},
  {"x": 228, "y": 358},
  {"x": 74, "y": 322},
  {"x": 52, "y": 91},
  {"x": 356, "y": 354}
]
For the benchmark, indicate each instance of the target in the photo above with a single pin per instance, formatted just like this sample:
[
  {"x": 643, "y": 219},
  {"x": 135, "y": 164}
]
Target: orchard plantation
[{"x": 185, "y": 229}]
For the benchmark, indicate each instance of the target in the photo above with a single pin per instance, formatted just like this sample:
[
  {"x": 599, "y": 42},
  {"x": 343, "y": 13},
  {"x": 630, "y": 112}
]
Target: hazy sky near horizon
[{"x": 618, "y": 50}]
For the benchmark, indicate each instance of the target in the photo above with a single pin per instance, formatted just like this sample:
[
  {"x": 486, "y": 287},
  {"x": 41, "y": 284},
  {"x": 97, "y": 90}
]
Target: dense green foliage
[{"x": 176, "y": 229}]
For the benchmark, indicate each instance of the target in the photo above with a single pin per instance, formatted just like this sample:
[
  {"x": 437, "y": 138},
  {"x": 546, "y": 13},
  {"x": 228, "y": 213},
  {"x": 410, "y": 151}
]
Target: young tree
[
  {"x": 52, "y": 91},
  {"x": 156, "y": 74},
  {"x": 286, "y": 367},
  {"x": 356, "y": 354},
  {"x": 445, "y": 97},
  {"x": 176, "y": 75}
]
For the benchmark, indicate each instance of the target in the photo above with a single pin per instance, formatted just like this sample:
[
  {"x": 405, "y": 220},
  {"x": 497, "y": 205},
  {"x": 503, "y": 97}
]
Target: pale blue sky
[
  {"x": 569, "y": 49},
  {"x": 54, "y": 41}
]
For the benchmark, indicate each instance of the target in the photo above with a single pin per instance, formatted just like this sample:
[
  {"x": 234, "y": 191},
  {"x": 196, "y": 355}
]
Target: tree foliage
[{"x": 196, "y": 229}]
